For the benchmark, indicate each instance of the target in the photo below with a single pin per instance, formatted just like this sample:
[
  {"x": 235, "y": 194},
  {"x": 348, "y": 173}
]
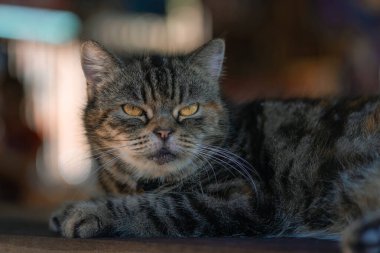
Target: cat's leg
[
  {"x": 172, "y": 214},
  {"x": 363, "y": 236}
]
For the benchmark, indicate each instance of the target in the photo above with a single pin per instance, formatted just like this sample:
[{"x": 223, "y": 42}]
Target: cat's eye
[
  {"x": 132, "y": 110},
  {"x": 189, "y": 110}
]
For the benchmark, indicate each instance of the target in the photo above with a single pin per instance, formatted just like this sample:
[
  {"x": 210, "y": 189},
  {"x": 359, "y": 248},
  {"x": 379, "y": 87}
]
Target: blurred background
[{"x": 275, "y": 49}]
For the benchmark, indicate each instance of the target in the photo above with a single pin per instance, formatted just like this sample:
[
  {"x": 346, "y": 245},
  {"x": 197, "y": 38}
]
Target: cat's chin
[
  {"x": 155, "y": 169},
  {"x": 161, "y": 166},
  {"x": 163, "y": 156}
]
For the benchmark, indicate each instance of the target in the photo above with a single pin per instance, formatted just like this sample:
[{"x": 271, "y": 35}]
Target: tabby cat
[{"x": 176, "y": 161}]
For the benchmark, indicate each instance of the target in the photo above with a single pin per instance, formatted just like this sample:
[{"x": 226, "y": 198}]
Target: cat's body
[
  {"x": 318, "y": 160},
  {"x": 179, "y": 163}
]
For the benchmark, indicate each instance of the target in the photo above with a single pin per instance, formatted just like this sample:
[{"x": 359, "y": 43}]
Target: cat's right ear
[
  {"x": 99, "y": 65},
  {"x": 210, "y": 57}
]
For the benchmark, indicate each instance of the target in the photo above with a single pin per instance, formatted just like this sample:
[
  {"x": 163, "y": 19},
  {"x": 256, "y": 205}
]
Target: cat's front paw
[
  {"x": 82, "y": 220},
  {"x": 363, "y": 236}
]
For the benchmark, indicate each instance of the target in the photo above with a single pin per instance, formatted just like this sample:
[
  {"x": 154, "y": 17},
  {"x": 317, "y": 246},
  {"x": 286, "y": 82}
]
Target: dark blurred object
[
  {"x": 18, "y": 143},
  {"x": 299, "y": 48},
  {"x": 146, "y": 6},
  {"x": 353, "y": 26}
]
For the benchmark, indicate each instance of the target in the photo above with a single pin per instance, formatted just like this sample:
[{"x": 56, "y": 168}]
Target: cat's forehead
[{"x": 166, "y": 81}]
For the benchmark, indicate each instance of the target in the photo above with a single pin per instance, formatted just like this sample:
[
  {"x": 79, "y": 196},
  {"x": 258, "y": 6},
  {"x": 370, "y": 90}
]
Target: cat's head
[{"x": 158, "y": 114}]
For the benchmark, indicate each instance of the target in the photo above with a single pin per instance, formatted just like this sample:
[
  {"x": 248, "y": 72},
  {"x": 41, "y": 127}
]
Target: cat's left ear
[
  {"x": 99, "y": 65},
  {"x": 210, "y": 57}
]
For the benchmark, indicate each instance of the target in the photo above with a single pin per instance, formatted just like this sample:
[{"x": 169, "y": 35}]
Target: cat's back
[
  {"x": 312, "y": 112},
  {"x": 322, "y": 122}
]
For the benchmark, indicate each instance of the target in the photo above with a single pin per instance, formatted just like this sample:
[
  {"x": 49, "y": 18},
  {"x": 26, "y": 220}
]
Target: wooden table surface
[{"x": 26, "y": 231}]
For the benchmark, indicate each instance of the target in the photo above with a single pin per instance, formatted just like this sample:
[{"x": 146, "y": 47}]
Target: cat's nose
[{"x": 163, "y": 133}]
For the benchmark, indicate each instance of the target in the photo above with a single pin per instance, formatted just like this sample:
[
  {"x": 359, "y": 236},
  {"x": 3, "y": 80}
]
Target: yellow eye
[
  {"x": 132, "y": 110},
  {"x": 189, "y": 110}
]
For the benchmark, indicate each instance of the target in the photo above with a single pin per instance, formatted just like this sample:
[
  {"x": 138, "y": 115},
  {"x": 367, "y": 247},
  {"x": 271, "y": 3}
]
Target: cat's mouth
[{"x": 163, "y": 156}]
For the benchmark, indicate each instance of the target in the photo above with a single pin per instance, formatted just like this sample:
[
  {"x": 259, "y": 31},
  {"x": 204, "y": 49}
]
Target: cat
[{"x": 176, "y": 160}]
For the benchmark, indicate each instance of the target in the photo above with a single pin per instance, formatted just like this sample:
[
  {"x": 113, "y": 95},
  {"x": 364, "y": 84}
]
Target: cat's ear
[
  {"x": 210, "y": 57},
  {"x": 99, "y": 65}
]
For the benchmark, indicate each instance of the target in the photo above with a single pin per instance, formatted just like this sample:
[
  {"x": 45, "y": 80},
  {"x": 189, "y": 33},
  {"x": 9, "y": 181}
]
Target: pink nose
[{"x": 163, "y": 133}]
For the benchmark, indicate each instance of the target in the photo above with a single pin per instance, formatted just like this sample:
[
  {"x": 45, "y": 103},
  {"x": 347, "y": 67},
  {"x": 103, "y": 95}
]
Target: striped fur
[{"x": 269, "y": 168}]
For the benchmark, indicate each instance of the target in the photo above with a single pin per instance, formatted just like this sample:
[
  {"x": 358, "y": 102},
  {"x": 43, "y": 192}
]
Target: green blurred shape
[{"x": 51, "y": 26}]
